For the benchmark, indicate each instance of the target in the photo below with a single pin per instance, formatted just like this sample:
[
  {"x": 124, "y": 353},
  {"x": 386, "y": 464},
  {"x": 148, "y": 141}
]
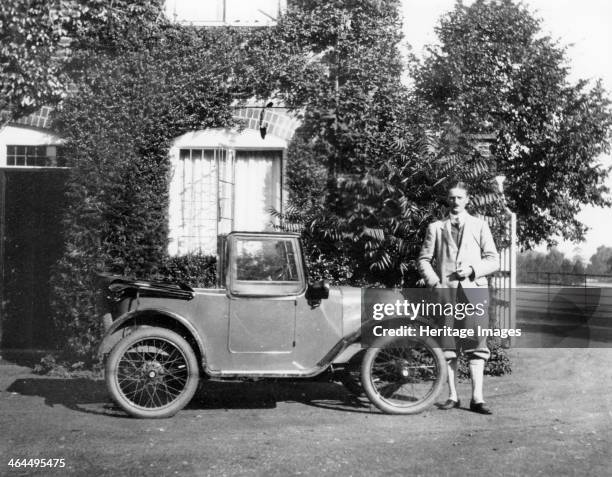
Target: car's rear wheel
[
  {"x": 152, "y": 373},
  {"x": 403, "y": 376}
]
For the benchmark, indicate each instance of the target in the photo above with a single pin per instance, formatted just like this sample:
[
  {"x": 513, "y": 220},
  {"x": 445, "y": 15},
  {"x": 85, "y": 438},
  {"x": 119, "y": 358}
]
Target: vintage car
[{"x": 264, "y": 320}]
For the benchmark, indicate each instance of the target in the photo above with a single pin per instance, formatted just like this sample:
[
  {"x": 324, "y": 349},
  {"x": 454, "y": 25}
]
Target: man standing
[{"x": 457, "y": 254}]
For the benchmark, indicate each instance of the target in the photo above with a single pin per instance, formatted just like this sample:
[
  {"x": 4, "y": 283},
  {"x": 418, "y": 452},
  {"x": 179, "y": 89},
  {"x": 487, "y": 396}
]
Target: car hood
[{"x": 350, "y": 300}]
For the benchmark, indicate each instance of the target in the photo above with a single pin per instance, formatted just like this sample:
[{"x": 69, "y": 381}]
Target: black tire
[
  {"x": 403, "y": 376},
  {"x": 152, "y": 373}
]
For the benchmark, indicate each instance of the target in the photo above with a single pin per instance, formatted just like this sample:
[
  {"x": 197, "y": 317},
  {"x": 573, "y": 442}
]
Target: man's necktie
[{"x": 456, "y": 229}]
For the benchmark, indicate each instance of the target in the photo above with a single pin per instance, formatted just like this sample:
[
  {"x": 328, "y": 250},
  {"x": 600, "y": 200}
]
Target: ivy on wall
[
  {"x": 132, "y": 101},
  {"x": 38, "y": 37}
]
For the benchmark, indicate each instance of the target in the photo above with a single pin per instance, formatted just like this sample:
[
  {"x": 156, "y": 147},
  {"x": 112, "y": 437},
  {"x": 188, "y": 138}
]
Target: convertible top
[{"x": 122, "y": 287}]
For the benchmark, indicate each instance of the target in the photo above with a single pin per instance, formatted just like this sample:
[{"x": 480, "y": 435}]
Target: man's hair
[{"x": 459, "y": 185}]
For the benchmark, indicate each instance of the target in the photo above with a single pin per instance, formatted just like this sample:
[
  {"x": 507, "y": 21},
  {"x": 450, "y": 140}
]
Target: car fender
[
  {"x": 150, "y": 317},
  {"x": 352, "y": 344}
]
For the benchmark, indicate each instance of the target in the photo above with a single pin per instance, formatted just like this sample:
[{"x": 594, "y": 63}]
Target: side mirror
[{"x": 316, "y": 292}]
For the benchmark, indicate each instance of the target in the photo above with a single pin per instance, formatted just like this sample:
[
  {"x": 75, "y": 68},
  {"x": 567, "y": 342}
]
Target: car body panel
[{"x": 261, "y": 325}]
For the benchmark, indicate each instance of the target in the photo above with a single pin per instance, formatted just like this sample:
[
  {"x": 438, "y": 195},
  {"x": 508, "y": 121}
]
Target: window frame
[
  {"x": 224, "y": 158},
  {"x": 264, "y": 288},
  {"x": 41, "y": 161},
  {"x": 226, "y": 14},
  {"x": 228, "y": 159}
]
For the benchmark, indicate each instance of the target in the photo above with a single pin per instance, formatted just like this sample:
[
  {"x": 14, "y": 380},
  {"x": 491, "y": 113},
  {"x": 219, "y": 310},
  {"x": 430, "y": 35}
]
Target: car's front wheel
[
  {"x": 403, "y": 376},
  {"x": 152, "y": 373}
]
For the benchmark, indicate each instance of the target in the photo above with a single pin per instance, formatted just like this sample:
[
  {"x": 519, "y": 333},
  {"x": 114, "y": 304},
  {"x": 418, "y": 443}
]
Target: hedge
[{"x": 118, "y": 128}]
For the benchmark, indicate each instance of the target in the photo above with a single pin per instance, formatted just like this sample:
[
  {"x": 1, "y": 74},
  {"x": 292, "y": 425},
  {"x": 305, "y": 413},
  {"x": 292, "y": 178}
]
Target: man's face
[{"x": 457, "y": 200}]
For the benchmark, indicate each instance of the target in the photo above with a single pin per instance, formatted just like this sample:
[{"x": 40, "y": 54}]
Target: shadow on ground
[
  {"x": 75, "y": 394},
  {"x": 90, "y": 395},
  {"x": 27, "y": 358},
  {"x": 267, "y": 393}
]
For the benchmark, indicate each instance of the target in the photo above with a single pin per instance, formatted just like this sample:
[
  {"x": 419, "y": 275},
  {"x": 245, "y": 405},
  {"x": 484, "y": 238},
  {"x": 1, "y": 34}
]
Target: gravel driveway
[{"x": 553, "y": 416}]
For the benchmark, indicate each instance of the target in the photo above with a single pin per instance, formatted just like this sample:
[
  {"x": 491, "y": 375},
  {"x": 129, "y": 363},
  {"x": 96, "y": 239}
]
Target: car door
[{"x": 265, "y": 280}]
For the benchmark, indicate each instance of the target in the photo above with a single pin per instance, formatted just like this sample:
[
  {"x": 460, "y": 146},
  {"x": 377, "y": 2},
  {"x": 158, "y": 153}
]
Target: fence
[
  {"x": 560, "y": 278},
  {"x": 570, "y": 297},
  {"x": 503, "y": 282}
]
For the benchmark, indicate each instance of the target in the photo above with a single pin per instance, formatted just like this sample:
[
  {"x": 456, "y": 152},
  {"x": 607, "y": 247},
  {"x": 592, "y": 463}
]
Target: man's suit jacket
[{"x": 440, "y": 255}]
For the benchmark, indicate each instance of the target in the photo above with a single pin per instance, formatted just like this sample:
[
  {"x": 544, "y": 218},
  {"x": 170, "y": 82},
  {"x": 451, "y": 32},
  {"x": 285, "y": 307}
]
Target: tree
[
  {"x": 495, "y": 71},
  {"x": 366, "y": 172},
  {"x": 551, "y": 267},
  {"x": 601, "y": 261},
  {"x": 338, "y": 64}
]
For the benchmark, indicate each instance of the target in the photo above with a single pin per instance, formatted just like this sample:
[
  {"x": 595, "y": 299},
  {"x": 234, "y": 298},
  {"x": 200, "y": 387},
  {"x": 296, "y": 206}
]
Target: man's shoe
[
  {"x": 479, "y": 407},
  {"x": 449, "y": 404}
]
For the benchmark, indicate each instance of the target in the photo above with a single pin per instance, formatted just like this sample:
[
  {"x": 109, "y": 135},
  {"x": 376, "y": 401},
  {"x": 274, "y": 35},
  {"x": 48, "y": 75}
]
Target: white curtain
[
  {"x": 196, "y": 177},
  {"x": 257, "y": 190}
]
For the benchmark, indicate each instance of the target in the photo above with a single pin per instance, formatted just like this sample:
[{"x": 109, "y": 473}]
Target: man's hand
[{"x": 464, "y": 272}]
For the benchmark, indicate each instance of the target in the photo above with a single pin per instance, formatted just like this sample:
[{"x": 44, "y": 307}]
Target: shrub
[
  {"x": 499, "y": 363},
  {"x": 53, "y": 365},
  {"x": 198, "y": 271}
]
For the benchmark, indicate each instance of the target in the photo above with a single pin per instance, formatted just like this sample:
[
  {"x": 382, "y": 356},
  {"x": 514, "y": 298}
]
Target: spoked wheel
[
  {"x": 152, "y": 373},
  {"x": 402, "y": 376}
]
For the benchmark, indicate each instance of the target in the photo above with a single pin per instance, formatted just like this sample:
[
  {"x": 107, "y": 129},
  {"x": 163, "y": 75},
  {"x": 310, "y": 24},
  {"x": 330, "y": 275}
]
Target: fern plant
[{"x": 373, "y": 221}]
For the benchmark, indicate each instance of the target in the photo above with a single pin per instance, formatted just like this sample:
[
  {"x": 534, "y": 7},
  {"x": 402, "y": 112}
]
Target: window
[
  {"x": 197, "y": 176},
  {"x": 35, "y": 156},
  {"x": 265, "y": 266},
  {"x": 225, "y": 12},
  {"x": 196, "y": 11},
  {"x": 216, "y": 191},
  {"x": 253, "y": 12},
  {"x": 258, "y": 190}
]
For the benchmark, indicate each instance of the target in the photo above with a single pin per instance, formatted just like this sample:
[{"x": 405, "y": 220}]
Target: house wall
[
  {"x": 34, "y": 130},
  {"x": 27, "y": 326},
  {"x": 278, "y": 121},
  {"x": 280, "y": 127}
]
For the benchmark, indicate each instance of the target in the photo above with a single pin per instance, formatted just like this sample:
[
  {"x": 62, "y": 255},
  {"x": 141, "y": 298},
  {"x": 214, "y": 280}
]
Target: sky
[{"x": 585, "y": 26}]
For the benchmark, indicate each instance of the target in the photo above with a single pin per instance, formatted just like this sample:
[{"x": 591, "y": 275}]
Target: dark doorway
[{"x": 33, "y": 205}]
